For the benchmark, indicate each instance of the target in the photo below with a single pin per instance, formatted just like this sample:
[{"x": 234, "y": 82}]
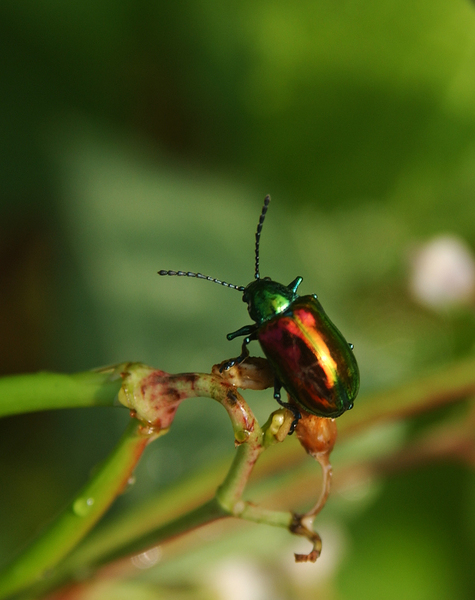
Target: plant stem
[
  {"x": 46, "y": 391},
  {"x": 450, "y": 384}
]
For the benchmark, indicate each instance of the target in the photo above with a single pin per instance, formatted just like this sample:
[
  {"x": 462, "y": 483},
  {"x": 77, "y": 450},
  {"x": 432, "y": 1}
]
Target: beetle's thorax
[{"x": 266, "y": 298}]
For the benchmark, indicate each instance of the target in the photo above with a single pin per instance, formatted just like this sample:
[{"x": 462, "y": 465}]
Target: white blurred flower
[
  {"x": 443, "y": 273},
  {"x": 238, "y": 578}
]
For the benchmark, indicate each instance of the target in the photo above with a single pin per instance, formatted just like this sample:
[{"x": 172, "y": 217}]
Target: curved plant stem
[{"x": 451, "y": 384}]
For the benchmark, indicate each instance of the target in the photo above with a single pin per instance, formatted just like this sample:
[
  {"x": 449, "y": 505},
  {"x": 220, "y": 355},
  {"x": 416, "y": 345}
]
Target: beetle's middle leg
[
  {"x": 293, "y": 409},
  {"x": 239, "y": 359}
]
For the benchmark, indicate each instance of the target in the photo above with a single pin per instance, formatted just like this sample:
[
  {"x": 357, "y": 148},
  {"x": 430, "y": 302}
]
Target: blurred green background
[{"x": 138, "y": 136}]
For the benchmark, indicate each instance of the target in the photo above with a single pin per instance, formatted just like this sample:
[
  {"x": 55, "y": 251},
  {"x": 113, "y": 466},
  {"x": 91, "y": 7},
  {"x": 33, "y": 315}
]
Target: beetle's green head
[{"x": 266, "y": 298}]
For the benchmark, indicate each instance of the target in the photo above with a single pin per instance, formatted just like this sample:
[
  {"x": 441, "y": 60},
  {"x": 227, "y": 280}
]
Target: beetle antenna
[
  {"x": 239, "y": 288},
  {"x": 258, "y": 232}
]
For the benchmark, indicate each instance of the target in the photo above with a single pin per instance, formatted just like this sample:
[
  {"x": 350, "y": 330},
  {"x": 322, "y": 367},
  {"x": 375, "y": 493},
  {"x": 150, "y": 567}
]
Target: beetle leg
[
  {"x": 293, "y": 409},
  {"x": 246, "y": 330},
  {"x": 244, "y": 354}
]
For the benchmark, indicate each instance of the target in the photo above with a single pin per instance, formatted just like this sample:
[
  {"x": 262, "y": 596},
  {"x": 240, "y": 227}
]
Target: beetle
[{"x": 308, "y": 354}]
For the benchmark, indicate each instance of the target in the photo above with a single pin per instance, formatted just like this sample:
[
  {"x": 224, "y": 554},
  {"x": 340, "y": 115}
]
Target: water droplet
[
  {"x": 147, "y": 559},
  {"x": 241, "y": 436},
  {"x": 82, "y": 506},
  {"x": 128, "y": 486}
]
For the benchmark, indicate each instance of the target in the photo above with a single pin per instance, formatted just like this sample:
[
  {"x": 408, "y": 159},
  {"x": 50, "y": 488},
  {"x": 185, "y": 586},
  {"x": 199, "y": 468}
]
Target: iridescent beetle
[{"x": 309, "y": 356}]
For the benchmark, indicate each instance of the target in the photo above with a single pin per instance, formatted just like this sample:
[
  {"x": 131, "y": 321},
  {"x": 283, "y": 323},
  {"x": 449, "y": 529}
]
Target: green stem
[
  {"x": 46, "y": 391},
  {"x": 275, "y": 518},
  {"x": 79, "y": 517},
  {"x": 230, "y": 491}
]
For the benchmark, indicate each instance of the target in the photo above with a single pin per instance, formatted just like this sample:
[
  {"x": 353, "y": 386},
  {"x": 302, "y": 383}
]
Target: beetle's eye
[{"x": 267, "y": 279}]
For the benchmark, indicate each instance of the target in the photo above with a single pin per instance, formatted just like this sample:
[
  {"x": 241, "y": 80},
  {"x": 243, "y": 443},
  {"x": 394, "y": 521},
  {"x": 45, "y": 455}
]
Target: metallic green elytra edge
[{"x": 309, "y": 356}]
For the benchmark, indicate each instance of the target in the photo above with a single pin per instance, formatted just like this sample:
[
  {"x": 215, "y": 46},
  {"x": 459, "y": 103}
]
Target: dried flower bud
[{"x": 316, "y": 434}]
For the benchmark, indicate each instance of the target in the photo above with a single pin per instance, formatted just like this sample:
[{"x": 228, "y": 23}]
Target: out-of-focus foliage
[{"x": 136, "y": 136}]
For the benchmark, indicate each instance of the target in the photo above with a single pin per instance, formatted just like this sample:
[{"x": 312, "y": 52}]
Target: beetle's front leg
[
  {"x": 293, "y": 409},
  {"x": 239, "y": 359}
]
